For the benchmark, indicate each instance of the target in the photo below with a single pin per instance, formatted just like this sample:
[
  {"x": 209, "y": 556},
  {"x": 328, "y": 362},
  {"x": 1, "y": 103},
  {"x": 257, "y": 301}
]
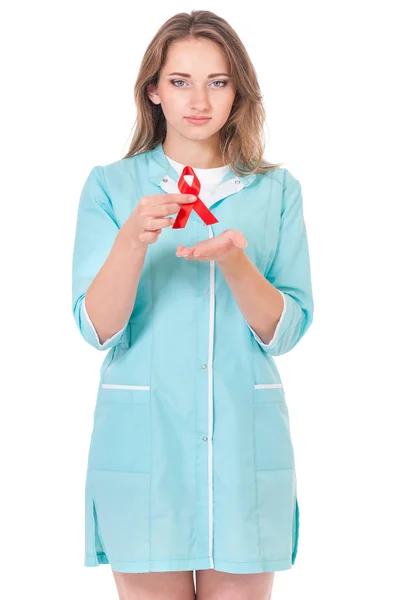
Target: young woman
[{"x": 191, "y": 465}]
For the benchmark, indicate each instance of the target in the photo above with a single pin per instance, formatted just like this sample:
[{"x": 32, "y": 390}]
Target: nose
[{"x": 199, "y": 100}]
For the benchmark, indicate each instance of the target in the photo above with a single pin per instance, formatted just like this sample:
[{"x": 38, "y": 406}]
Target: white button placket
[
  {"x": 210, "y": 404},
  {"x": 225, "y": 189}
]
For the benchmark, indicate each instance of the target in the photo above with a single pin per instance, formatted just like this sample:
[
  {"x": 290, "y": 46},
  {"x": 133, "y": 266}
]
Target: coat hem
[{"x": 191, "y": 564}]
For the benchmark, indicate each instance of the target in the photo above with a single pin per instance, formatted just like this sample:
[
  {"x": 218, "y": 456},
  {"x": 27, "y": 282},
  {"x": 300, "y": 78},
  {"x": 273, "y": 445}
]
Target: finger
[
  {"x": 149, "y": 236},
  {"x": 208, "y": 247},
  {"x": 167, "y": 198},
  {"x": 238, "y": 239},
  {"x": 152, "y": 224},
  {"x": 160, "y": 210}
]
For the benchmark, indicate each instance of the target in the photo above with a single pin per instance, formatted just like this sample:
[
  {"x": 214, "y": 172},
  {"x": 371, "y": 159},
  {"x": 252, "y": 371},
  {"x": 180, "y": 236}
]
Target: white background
[{"x": 68, "y": 73}]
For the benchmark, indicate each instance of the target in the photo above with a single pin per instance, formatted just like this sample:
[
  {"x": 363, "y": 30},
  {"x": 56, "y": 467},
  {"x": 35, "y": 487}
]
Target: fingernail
[{"x": 192, "y": 197}]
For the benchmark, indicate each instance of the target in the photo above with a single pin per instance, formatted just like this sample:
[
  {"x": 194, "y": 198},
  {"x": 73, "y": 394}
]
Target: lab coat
[{"x": 191, "y": 463}]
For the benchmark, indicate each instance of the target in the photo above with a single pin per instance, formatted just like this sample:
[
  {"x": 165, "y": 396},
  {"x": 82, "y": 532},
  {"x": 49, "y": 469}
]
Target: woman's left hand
[{"x": 216, "y": 248}]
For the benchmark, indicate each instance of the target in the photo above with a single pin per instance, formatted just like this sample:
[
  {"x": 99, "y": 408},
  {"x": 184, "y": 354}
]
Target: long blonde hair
[{"x": 242, "y": 140}]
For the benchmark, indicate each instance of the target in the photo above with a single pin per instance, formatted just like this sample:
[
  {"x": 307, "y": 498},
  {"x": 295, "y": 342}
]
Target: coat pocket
[
  {"x": 269, "y": 392},
  {"x": 120, "y": 438},
  {"x": 273, "y": 444}
]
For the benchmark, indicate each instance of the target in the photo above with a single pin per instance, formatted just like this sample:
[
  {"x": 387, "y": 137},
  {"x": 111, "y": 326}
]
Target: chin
[
  {"x": 197, "y": 135},
  {"x": 200, "y": 133}
]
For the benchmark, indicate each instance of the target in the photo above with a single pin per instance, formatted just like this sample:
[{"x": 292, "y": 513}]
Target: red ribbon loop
[{"x": 183, "y": 214}]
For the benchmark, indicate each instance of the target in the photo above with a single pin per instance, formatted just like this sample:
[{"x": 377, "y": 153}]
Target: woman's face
[{"x": 193, "y": 82}]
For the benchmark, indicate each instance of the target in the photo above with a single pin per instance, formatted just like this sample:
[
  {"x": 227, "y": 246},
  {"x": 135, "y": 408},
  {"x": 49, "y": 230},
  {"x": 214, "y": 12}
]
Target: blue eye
[{"x": 174, "y": 81}]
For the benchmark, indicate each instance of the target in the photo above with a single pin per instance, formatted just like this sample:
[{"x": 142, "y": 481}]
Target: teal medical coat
[{"x": 191, "y": 463}]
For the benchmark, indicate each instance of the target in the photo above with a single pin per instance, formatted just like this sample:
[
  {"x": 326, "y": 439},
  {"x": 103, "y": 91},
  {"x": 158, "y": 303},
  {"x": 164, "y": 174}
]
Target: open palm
[{"x": 215, "y": 248}]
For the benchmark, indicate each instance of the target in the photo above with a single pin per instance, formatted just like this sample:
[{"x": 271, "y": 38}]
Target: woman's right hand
[{"x": 146, "y": 222}]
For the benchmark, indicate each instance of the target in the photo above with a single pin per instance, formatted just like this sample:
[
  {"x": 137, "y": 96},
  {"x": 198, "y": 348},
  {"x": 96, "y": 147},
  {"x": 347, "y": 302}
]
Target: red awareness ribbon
[{"x": 183, "y": 214}]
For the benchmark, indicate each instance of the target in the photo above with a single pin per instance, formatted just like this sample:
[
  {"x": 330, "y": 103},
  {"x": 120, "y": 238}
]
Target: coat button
[
  {"x": 204, "y": 366},
  {"x": 237, "y": 180},
  {"x": 205, "y": 438},
  {"x": 164, "y": 179}
]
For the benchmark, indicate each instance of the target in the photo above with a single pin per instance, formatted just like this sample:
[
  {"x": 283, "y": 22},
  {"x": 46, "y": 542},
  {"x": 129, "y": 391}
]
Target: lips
[{"x": 198, "y": 121}]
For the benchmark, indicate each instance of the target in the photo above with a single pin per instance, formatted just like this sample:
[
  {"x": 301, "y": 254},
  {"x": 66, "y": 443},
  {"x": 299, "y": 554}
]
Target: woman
[{"x": 191, "y": 464}]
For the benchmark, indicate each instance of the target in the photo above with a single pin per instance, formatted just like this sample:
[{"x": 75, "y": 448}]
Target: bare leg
[
  {"x": 218, "y": 585},
  {"x": 169, "y": 585}
]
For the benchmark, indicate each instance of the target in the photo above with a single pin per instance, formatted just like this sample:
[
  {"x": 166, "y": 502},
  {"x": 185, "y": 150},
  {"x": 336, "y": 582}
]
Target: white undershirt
[{"x": 209, "y": 178}]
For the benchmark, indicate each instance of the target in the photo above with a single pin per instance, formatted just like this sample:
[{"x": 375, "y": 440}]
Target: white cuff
[
  {"x": 279, "y": 328},
  {"x": 91, "y": 333}
]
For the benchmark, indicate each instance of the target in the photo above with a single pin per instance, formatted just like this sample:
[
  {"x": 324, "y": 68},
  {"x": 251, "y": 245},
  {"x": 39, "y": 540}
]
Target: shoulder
[
  {"x": 122, "y": 167},
  {"x": 283, "y": 189},
  {"x": 280, "y": 177},
  {"x": 117, "y": 175},
  {"x": 286, "y": 189}
]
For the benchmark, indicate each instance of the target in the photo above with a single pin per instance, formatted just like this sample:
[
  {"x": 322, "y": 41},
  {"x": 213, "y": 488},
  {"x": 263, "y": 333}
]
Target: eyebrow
[{"x": 208, "y": 76}]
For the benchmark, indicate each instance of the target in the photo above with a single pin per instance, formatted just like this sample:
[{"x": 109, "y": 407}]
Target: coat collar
[{"x": 162, "y": 173}]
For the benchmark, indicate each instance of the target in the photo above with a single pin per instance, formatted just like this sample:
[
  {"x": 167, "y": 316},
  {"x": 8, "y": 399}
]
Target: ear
[{"x": 152, "y": 93}]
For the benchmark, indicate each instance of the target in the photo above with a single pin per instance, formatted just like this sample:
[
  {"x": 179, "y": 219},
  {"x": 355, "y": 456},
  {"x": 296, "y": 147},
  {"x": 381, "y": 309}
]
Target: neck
[{"x": 199, "y": 154}]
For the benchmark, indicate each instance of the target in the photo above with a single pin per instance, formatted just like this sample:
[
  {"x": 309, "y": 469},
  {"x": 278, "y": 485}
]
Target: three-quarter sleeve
[
  {"x": 290, "y": 273},
  {"x": 96, "y": 230}
]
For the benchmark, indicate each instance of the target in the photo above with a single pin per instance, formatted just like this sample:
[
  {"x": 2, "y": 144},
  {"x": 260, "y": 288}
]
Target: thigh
[
  {"x": 218, "y": 585},
  {"x": 168, "y": 585}
]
